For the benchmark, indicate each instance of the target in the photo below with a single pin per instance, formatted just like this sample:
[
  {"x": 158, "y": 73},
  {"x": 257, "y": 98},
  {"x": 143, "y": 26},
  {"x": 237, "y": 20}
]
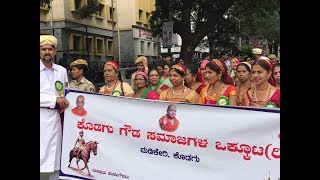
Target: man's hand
[
  {"x": 62, "y": 103},
  {"x": 145, "y": 64}
]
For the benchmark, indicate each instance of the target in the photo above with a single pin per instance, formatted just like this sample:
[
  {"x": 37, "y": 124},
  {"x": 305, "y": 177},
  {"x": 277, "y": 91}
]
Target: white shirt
[{"x": 50, "y": 124}]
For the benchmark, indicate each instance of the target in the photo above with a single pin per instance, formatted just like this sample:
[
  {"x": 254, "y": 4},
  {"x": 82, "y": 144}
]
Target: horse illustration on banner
[{"x": 84, "y": 155}]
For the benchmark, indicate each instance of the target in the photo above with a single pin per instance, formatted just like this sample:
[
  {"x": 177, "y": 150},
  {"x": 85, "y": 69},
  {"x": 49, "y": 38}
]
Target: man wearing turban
[{"x": 53, "y": 77}]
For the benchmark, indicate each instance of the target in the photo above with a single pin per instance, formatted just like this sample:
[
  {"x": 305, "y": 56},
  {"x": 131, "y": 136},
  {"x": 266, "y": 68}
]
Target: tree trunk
[
  {"x": 187, "y": 51},
  {"x": 270, "y": 48},
  {"x": 275, "y": 48}
]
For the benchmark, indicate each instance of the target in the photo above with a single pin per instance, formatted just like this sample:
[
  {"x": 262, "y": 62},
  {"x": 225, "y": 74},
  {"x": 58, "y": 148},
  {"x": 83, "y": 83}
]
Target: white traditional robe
[{"x": 50, "y": 124}]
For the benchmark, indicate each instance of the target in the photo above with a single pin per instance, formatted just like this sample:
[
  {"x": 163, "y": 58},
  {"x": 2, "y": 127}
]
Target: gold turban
[
  {"x": 272, "y": 56},
  {"x": 257, "y": 51},
  {"x": 78, "y": 61},
  {"x": 141, "y": 59},
  {"x": 48, "y": 39}
]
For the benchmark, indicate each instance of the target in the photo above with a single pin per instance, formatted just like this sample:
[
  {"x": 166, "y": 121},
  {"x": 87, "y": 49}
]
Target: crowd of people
[{"x": 225, "y": 81}]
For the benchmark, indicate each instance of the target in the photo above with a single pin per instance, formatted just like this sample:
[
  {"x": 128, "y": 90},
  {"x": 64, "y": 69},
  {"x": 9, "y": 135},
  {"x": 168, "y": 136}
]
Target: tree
[
  {"x": 260, "y": 20},
  {"x": 46, "y": 3},
  {"x": 92, "y": 7},
  {"x": 195, "y": 19}
]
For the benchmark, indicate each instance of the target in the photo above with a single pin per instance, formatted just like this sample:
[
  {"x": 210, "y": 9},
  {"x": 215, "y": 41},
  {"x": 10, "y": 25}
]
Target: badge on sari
[
  {"x": 223, "y": 101},
  {"x": 270, "y": 105},
  {"x": 59, "y": 87},
  {"x": 116, "y": 93}
]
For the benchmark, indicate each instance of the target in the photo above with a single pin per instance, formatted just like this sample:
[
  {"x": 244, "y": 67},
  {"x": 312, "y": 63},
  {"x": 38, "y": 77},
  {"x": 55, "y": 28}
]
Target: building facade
[
  {"x": 94, "y": 38},
  {"x": 90, "y": 38},
  {"x": 134, "y": 31}
]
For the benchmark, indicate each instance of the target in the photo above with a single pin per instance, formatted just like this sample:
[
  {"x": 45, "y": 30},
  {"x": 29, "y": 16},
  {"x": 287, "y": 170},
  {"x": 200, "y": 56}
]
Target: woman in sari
[
  {"x": 141, "y": 83},
  {"x": 142, "y": 65},
  {"x": 165, "y": 76},
  {"x": 234, "y": 63},
  {"x": 178, "y": 92},
  {"x": 154, "y": 82},
  {"x": 192, "y": 80},
  {"x": 243, "y": 73},
  {"x": 262, "y": 94},
  {"x": 114, "y": 85},
  {"x": 203, "y": 69},
  {"x": 276, "y": 74},
  {"x": 160, "y": 66},
  {"x": 217, "y": 91}
]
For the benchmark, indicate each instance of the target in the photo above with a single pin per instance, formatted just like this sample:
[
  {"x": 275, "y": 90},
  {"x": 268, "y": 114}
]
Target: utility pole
[
  {"x": 112, "y": 18},
  {"x": 118, "y": 32},
  {"x": 170, "y": 19}
]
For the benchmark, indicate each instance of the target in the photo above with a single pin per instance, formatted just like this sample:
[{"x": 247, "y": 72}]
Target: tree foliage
[
  {"x": 92, "y": 7},
  {"x": 261, "y": 20},
  {"x": 195, "y": 19},
  {"x": 46, "y": 3}
]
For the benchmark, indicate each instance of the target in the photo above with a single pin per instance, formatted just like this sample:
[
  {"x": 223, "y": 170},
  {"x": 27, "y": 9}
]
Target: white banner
[
  {"x": 167, "y": 31},
  {"x": 127, "y": 138}
]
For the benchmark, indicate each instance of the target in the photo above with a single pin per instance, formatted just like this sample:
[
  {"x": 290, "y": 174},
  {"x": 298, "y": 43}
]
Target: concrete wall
[{"x": 126, "y": 46}]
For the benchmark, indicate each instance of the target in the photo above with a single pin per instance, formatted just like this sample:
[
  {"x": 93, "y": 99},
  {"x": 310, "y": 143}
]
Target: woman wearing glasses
[{"x": 141, "y": 91}]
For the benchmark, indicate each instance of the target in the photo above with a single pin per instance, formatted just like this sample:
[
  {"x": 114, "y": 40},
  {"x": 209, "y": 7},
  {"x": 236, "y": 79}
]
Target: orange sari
[
  {"x": 168, "y": 126},
  {"x": 77, "y": 113},
  {"x": 189, "y": 96}
]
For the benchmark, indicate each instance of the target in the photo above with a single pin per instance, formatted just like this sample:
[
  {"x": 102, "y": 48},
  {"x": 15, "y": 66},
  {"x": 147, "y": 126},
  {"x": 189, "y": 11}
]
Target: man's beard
[{"x": 47, "y": 59}]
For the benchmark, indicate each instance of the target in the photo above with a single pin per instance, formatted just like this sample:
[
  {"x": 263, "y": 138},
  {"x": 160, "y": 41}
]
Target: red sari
[
  {"x": 168, "y": 126},
  {"x": 205, "y": 98},
  {"x": 198, "y": 90},
  {"x": 274, "y": 99}
]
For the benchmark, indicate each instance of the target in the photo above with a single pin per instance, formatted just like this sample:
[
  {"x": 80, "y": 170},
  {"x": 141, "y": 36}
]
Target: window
[
  {"x": 111, "y": 12},
  {"x": 155, "y": 49},
  {"x": 109, "y": 47},
  {"x": 147, "y": 16},
  {"x": 149, "y": 48},
  {"x": 89, "y": 45},
  {"x": 76, "y": 44},
  {"x": 44, "y": 6},
  {"x": 101, "y": 14},
  {"x": 140, "y": 15},
  {"x": 99, "y": 46},
  {"x": 142, "y": 47},
  {"x": 76, "y": 4},
  {"x": 147, "y": 19}
]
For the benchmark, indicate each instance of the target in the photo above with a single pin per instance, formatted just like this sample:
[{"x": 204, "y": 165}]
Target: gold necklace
[
  {"x": 185, "y": 88},
  {"x": 213, "y": 92},
  {"x": 238, "y": 89},
  {"x": 112, "y": 87},
  {"x": 254, "y": 95}
]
